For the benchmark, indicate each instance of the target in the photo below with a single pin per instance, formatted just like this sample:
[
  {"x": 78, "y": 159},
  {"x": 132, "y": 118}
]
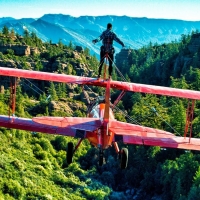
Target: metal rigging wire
[
  {"x": 34, "y": 85},
  {"x": 123, "y": 78},
  {"x": 41, "y": 92},
  {"x": 121, "y": 75},
  {"x": 155, "y": 111},
  {"x": 31, "y": 88},
  {"x": 152, "y": 108},
  {"x": 133, "y": 121}
]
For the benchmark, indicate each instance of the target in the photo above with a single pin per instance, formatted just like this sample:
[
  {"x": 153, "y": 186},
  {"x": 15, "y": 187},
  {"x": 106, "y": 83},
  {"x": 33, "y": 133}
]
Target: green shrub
[
  {"x": 18, "y": 164},
  {"x": 14, "y": 189},
  {"x": 108, "y": 178},
  {"x": 60, "y": 143},
  {"x": 40, "y": 170},
  {"x": 46, "y": 145},
  {"x": 95, "y": 194},
  {"x": 39, "y": 153}
]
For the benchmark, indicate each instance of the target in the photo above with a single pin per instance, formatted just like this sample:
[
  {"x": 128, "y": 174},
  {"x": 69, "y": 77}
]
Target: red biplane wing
[
  {"x": 68, "y": 126},
  {"x": 126, "y": 86},
  {"x": 129, "y": 133},
  {"x": 140, "y": 135}
]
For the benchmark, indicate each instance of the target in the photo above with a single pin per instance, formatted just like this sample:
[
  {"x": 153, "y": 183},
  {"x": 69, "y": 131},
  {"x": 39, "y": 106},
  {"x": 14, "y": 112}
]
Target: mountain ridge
[{"x": 133, "y": 31}]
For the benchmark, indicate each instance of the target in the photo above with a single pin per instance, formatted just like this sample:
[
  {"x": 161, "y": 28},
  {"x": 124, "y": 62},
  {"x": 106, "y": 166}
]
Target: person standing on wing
[{"x": 107, "y": 38}]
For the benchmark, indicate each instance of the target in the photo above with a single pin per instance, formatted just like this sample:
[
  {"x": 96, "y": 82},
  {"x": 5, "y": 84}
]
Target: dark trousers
[{"x": 108, "y": 57}]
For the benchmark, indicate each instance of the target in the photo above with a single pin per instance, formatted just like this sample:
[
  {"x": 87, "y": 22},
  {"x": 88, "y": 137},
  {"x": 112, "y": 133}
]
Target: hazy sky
[{"x": 166, "y": 9}]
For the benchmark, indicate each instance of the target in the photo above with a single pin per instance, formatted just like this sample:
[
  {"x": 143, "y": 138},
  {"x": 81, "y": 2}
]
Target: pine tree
[
  {"x": 52, "y": 91},
  {"x": 5, "y": 30}
]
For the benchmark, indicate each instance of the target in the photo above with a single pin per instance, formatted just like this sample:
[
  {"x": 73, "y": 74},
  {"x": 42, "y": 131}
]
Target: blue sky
[{"x": 165, "y": 9}]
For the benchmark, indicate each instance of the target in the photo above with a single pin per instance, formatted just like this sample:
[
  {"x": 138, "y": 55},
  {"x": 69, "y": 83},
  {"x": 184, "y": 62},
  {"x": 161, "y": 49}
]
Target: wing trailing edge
[
  {"x": 139, "y": 135},
  {"x": 60, "y": 126}
]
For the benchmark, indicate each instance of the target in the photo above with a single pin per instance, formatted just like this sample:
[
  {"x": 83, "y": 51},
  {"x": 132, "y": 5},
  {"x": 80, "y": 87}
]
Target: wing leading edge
[{"x": 126, "y": 86}]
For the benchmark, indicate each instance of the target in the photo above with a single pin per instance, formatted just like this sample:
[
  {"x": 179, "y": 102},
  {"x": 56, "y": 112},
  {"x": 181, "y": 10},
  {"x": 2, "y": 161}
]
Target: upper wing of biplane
[{"x": 126, "y": 86}]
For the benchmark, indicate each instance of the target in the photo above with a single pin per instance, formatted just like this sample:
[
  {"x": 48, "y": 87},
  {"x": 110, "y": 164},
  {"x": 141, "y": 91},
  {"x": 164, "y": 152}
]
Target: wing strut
[
  {"x": 78, "y": 144},
  {"x": 119, "y": 98},
  {"x": 107, "y": 101},
  {"x": 11, "y": 109},
  {"x": 106, "y": 111},
  {"x": 189, "y": 117}
]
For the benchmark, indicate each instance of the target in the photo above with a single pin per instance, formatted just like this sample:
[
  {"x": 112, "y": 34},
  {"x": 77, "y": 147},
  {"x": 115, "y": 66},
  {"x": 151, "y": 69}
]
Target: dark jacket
[{"x": 107, "y": 38}]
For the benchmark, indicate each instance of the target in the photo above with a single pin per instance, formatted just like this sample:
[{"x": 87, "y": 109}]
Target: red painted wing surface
[
  {"x": 87, "y": 124},
  {"x": 140, "y": 135},
  {"x": 128, "y": 133},
  {"x": 67, "y": 126},
  {"x": 126, "y": 86}
]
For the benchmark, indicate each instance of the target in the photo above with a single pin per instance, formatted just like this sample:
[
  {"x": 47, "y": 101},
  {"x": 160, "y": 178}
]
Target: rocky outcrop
[
  {"x": 2, "y": 89},
  {"x": 19, "y": 50},
  {"x": 122, "y": 56},
  {"x": 8, "y": 63},
  {"x": 79, "y": 49},
  {"x": 34, "y": 50},
  {"x": 60, "y": 105}
]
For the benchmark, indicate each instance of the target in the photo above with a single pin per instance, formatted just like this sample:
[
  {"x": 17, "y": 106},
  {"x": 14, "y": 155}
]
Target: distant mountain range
[{"x": 134, "y": 32}]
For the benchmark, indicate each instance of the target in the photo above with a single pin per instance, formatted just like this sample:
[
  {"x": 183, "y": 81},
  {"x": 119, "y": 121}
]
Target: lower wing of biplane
[
  {"x": 79, "y": 127},
  {"x": 67, "y": 126},
  {"x": 139, "y": 135}
]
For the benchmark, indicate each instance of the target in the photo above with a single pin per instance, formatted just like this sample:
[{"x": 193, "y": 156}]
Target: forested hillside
[{"x": 33, "y": 165}]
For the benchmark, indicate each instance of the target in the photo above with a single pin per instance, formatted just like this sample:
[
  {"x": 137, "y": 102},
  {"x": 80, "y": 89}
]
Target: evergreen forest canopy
[{"x": 33, "y": 165}]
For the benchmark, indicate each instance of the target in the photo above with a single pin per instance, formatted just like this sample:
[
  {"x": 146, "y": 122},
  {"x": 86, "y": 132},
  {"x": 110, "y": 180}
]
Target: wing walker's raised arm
[{"x": 132, "y": 87}]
